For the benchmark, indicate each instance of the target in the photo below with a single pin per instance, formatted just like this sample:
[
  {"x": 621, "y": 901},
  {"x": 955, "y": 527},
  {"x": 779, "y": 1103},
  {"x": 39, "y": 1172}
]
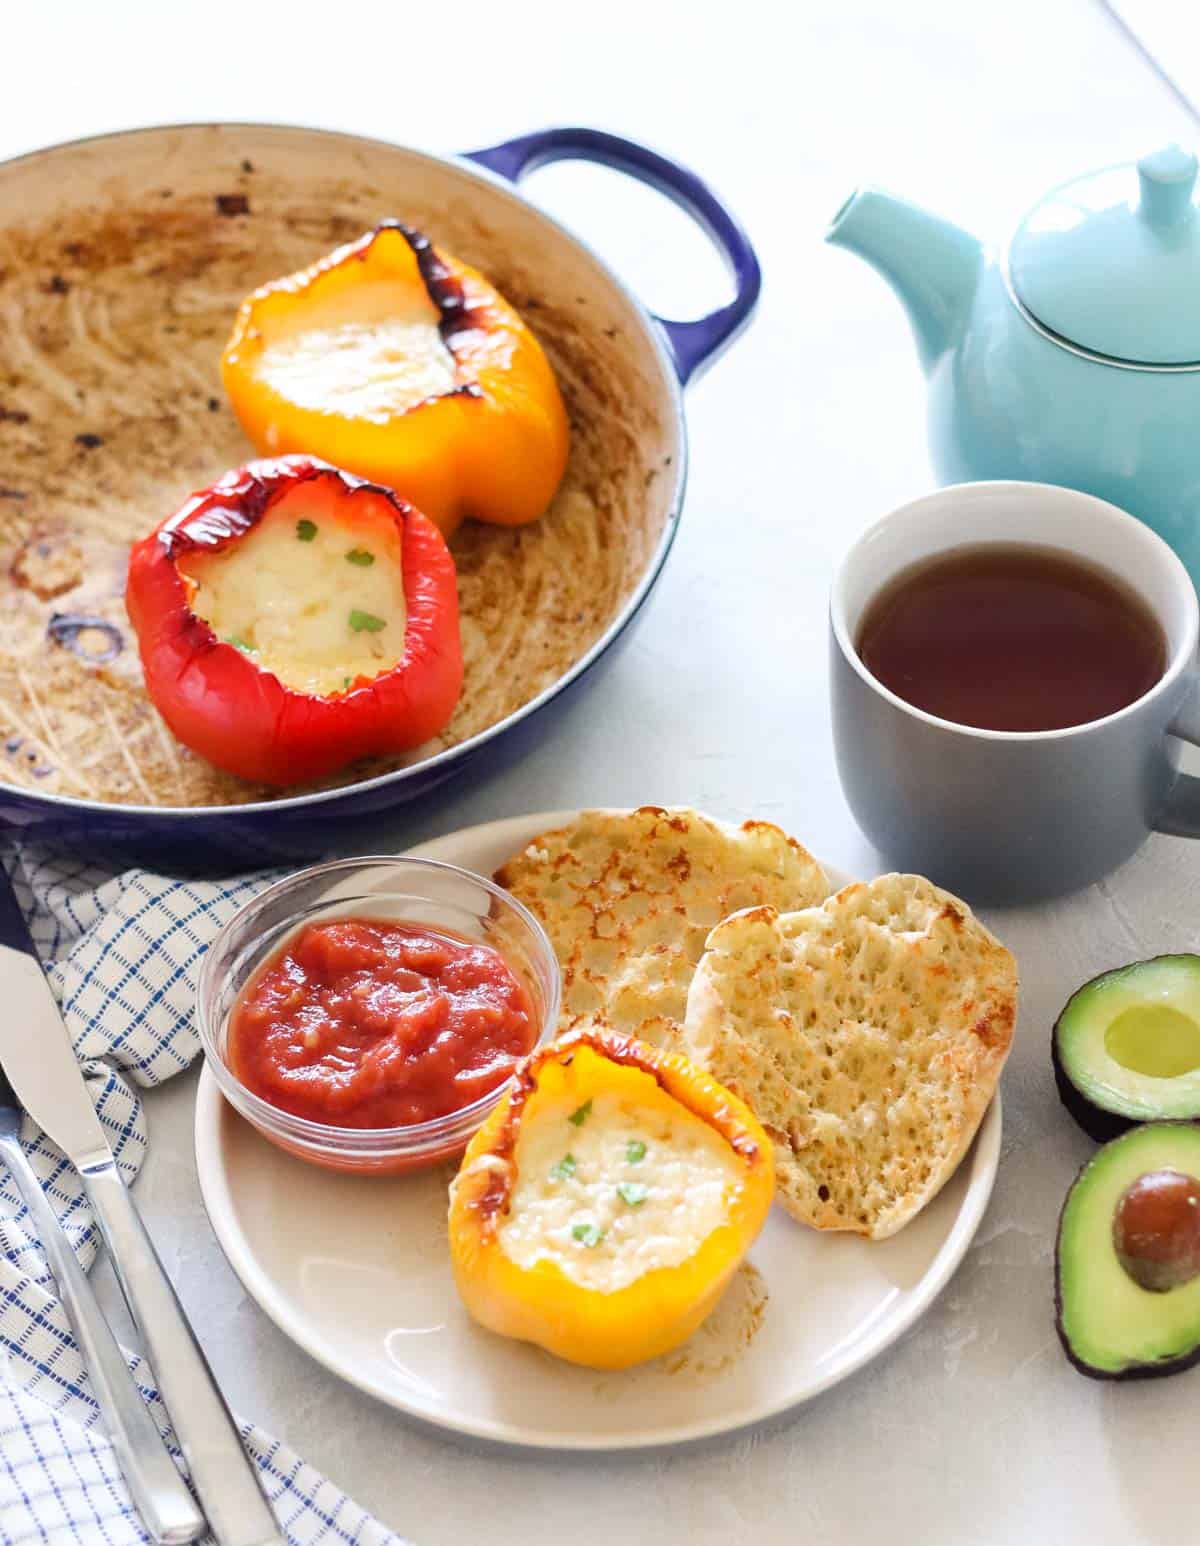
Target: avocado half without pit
[
  {"x": 1126, "y": 1047},
  {"x": 1127, "y": 1275}
]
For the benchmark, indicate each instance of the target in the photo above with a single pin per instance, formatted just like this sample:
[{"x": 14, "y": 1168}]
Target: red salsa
[{"x": 366, "y": 1023}]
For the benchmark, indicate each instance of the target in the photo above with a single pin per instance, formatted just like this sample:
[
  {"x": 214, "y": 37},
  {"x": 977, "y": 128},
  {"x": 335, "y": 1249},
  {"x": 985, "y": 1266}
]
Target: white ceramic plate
[{"x": 356, "y": 1272}]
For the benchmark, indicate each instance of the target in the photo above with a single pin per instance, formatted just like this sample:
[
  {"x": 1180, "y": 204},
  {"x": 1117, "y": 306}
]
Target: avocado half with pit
[
  {"x": 1126, "y": 1047},
  {"x": 1127, "y": 1279}
]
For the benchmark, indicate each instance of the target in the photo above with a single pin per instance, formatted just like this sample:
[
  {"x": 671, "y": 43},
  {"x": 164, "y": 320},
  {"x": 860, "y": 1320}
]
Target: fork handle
[
  {"x": 159, "y": 1493},
  {"x": 224, "y": 1476}
]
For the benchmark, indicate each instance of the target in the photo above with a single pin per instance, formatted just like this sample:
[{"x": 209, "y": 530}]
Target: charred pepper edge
[
  {"x": 445, "y": 291},
  {"x": 408, "y": 703},
  {"x": 681, "y": 1084},
  {"x": 501, "y": 398},
  {"x": 235, "y": 504},
  {"x": 456, "y": 315},
  {"x": 244, "y": 496}
]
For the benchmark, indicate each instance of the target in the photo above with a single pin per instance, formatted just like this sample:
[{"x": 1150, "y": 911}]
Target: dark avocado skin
[
  {"x": 1144, "y": 1371},
  {"x": 1095, "y": 1121}
]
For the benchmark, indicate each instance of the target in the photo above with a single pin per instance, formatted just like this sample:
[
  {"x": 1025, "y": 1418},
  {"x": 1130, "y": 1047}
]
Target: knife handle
[
  {"x": 225, "y": 1478},
  {"x": 159, "y": 1493}
]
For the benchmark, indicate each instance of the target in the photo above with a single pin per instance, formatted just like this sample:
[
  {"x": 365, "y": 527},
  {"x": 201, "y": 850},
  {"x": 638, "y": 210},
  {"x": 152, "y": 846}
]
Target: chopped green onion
[
  {"x": 632, "y": 1192},
  {"x": 366, "y": 622},
  {"x": 635, "y": 1151},
  {"x": 306, "y": 530},
  {"x": 346, "y": 680},
  {"x": 361, "y": 557},
  {"x": 580, "y": 1116},
  {"x": 566, "y": 1167},
  {"x": 587, "y": 1234},
  {"x": 240, "y": 644}
]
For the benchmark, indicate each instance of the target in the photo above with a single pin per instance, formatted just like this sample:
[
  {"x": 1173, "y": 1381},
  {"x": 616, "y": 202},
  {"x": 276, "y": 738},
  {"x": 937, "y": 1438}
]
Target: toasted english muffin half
[
  {"x": 867, "y": 1034},
  {"x": 628, "y": 899}
]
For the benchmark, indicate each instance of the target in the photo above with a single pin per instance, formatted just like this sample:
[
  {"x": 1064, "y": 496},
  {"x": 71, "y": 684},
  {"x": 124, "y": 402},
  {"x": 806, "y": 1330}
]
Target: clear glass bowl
[{"x": 419, "y": 891}]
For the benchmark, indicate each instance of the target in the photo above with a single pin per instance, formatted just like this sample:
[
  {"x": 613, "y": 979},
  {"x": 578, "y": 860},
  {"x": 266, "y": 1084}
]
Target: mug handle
[
  {"x": 1180, "y": 816},
  {"x": 694, "y": 345}
]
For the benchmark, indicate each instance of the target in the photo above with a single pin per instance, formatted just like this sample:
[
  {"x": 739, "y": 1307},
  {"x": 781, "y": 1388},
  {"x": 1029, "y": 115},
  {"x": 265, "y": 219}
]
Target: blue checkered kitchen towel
[{"x": 121, "y": 952}]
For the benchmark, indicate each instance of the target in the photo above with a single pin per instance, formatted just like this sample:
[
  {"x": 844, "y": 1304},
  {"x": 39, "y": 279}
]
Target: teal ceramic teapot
[{"x": 1073, "y": 355}]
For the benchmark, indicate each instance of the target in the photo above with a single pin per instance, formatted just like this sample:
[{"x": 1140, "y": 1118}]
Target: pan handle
[{"x": 694, "y": 345}]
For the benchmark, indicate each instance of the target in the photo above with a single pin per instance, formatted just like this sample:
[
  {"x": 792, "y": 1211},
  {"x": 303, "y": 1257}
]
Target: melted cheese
[
  {"x": 292, "y": 602},
  {"x": 689, "y": 1172},
  {"x": 371, "y": 352}
]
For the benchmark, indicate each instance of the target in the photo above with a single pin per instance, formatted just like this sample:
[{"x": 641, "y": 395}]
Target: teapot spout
[{"x": 933, "y": 266}]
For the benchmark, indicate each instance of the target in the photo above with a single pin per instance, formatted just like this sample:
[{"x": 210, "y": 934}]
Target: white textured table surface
[{"x": 973, "y": 1429}]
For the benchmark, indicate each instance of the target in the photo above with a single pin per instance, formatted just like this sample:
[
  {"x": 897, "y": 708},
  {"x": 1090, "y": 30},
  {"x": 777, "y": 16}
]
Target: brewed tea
[{"x": 1010, "y": 637}]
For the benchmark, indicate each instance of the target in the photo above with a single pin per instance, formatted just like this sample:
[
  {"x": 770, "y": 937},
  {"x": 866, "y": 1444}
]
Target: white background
[{"x": 974, "y": 1429}]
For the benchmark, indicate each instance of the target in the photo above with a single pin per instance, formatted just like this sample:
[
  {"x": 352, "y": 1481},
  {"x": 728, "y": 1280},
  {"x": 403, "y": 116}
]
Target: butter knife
[
  {"x": 159, "y": 1493},
  {"x": 37, "y": 1056}
]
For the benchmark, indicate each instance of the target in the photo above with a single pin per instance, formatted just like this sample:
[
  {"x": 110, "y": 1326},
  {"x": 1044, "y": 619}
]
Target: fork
[{"x": 159, "y": 1492}]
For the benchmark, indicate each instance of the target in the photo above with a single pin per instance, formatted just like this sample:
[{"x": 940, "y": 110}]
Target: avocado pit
[
  {"x": 1127, "y": 1278},
  {"x": 1156, "y": 1230}
]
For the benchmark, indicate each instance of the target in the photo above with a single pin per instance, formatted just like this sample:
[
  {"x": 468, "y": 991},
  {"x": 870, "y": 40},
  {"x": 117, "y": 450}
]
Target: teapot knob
[{"x": 1167, "y": 178}]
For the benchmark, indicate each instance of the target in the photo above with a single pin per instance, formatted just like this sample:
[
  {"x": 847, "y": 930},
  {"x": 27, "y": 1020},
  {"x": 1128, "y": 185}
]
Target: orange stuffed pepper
[
  {"x": 603, "y": 1207},
  {"x": 392, "y": 359}
]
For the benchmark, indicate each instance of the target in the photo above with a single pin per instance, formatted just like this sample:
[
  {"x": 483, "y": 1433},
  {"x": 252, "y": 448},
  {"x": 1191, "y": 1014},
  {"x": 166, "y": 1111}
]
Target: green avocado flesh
[
  {"x": 1109, "y": 1325},
  {"x": 1129, "y": 1042}
]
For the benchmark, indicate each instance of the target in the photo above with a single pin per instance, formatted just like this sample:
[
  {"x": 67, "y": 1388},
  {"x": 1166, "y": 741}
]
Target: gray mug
[{"x": 1012, "y": 816}]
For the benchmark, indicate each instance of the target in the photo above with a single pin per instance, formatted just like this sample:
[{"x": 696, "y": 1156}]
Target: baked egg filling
[
  {"x": 370, "y": 351},
  {"x": 613, "y": 1189},
  {"x": 315, "y": 600}
]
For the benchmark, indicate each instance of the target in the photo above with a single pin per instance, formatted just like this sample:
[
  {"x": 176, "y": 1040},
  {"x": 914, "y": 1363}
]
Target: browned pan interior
[{"x": 122, "y": 262}]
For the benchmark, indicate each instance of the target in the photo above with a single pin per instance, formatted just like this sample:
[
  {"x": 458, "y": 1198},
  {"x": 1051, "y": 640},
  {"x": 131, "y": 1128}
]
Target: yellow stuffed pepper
[
  {"x": 604, "y": 1205},
  {"x": 393, "y": 360}
]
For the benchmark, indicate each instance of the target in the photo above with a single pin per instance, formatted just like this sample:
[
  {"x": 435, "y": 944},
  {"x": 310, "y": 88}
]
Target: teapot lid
[{"x": 1111, "y": 261}]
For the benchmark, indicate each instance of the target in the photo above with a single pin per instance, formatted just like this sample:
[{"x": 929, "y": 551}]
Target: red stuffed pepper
[{"x": 293, "y": 618}]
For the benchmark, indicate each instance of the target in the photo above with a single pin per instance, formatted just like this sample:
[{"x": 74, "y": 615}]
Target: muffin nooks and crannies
[
  {"x": 628, "y": 899},
  {"x": 868, "y": 1034}
]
